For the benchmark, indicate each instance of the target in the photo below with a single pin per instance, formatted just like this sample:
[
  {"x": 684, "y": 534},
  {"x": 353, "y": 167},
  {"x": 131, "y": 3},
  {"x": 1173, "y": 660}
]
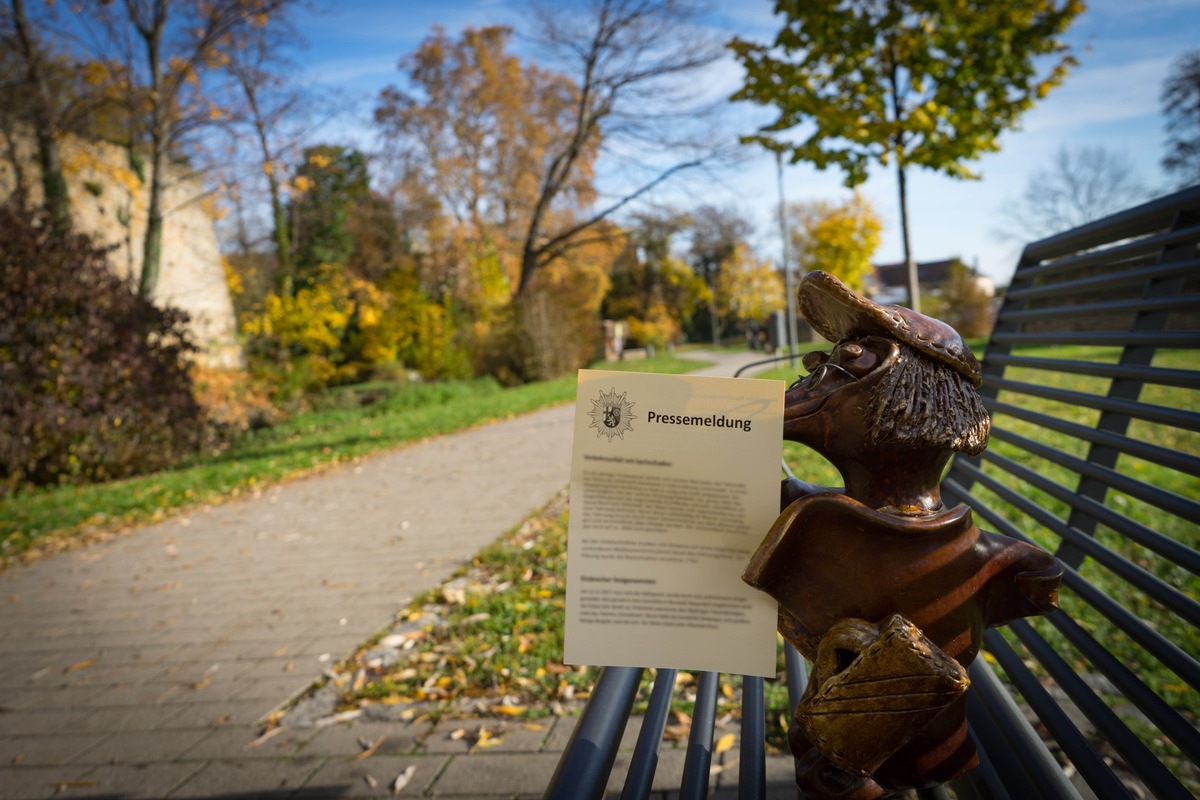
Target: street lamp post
[{"x": 789, "y": 279}]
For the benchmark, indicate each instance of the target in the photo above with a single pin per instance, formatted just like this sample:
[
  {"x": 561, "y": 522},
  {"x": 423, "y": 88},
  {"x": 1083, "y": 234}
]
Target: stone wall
[{"x": 109, "y": 201}]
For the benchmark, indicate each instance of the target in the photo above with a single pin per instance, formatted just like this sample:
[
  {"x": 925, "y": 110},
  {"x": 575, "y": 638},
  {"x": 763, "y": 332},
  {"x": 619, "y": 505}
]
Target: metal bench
[{"x": 1092, "y": 377}]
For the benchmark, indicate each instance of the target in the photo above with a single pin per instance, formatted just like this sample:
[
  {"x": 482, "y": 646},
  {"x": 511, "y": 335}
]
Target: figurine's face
[{"x": 841, "y": 378}]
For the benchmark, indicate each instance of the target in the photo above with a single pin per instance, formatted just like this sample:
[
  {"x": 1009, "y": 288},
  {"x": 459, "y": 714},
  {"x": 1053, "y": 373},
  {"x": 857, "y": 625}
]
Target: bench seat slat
[
  {"x": 1157, "y": 777},
  {"x": 583, "y": 770},
  {"x": 640, "y": 779},
  {"x": 1182, "y": 732},
  {"x": 1075, "y": 746},
  {"x": 752, "y": 750},
  {"x": 697, "y": 765}
]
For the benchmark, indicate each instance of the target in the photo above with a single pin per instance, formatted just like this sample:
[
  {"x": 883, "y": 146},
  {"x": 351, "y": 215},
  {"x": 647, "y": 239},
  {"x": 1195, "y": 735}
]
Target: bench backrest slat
[{"x": 1092, "y": 376}]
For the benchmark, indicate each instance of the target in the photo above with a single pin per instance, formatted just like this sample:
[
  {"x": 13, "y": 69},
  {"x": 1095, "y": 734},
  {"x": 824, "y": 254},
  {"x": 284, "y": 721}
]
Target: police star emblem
[{"x": 611, "y": 414}]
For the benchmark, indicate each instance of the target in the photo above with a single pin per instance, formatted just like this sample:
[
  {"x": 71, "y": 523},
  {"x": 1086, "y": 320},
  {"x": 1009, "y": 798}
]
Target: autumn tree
[
  {"x": 169, "y": 47},
  {"x": 1081, "y": 183},
  {"x": 652, "y": 288},
  {"x": 914, "y": 83},
  {"x": 262, "y": 105},
  {"x": 838, "y": 238},
  {"x": 466, "y": 147},
  {"x": 468, "y": 144},
  {"x": 45, "y": 112},
  {"x": 748, "y": 290},
  {"x": 329, "y": 182},
  {"x": 1181, "y": 106},
  {"x": 636, "y": 66},
  {"x": 715, "y": 234}
]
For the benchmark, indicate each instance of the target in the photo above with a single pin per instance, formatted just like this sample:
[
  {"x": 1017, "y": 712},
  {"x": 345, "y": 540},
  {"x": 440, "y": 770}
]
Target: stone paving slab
[{"x": 138, "y": 667}]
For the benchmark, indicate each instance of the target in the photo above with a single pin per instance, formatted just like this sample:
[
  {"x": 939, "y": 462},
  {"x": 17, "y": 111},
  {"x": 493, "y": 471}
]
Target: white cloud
[{"x": 1101, "y": 95}]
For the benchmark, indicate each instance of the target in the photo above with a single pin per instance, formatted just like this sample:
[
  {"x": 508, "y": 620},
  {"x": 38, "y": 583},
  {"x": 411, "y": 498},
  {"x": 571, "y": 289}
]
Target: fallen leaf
[
  {"x": 78, "y": 665},
  {"x": 344, "y": 716},
  {"x": 18, "y": 758},
  {"x": 289, "y": 666},
  {"x": 457, "y": 734},
  {"x": 490, "y": 743},
  {"x": 219, "y": 721},
  {"x": 201, "y": 684},
  {"x": 725, "y": 743},
  {"x": 727, "y": 690},
  {"x": 370, "y": 751},
  {"x": 402, "y": 779},
  {"x": 281, "y": 652},
  {"x": 370, "y": 781},
  {"x": 512, "y": 711}
]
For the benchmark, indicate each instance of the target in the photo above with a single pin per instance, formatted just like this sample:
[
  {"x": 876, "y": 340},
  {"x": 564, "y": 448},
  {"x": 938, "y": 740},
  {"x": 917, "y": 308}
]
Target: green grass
[
  {"x": 1162, "y": 680},
  {"x": 350, "y": 422},
  {"x": 661, "y": 364}
]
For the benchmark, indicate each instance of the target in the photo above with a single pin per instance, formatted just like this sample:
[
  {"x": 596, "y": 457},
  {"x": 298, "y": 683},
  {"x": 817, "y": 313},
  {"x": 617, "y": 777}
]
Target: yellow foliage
[
  {"x": 302, "y": 184},
  {"x": 748, "y": 289},
  {"x": 658, "y": 327},
  {"x": 334, "y": 325},
  {"x": 837, "y": 238},
  {"x": 232, "y": 279},
  {"x": 95, "y": 73},
  {"x": 320, "y": 161}
]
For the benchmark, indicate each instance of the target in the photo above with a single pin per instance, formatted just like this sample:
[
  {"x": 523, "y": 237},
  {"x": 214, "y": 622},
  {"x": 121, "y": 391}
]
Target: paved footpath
[{"x": 139, "y": 667}]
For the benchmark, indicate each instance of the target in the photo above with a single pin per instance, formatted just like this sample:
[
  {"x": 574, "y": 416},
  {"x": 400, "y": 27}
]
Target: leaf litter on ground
[{"x": 487, "y": 643}]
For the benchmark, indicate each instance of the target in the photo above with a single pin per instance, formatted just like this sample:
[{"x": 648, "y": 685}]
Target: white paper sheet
[{"x": 674, "y": 482}]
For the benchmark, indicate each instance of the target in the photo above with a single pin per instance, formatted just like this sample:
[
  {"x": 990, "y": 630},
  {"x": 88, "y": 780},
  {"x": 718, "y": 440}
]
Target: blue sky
[{"x": 1125, "y": 48}]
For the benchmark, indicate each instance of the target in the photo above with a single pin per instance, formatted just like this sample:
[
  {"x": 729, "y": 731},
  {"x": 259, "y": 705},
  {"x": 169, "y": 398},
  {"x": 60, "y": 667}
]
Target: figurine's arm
[{"x": 793, "y": 489}]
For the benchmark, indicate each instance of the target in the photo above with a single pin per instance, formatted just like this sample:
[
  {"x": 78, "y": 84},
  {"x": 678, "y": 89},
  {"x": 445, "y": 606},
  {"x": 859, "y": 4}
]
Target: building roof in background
[{"x": 893, "y": 276}]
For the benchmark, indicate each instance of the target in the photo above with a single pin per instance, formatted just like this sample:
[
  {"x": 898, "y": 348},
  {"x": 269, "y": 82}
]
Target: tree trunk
[
  {"x": 152, "y": 244},
  {"x": 910, "y": 264},
  {"x": 285, "y": 279},
  {"x": 160, "y": 141},
  {"x": 54, "y": 187}
]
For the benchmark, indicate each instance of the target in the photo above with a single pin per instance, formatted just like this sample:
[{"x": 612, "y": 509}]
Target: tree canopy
[
  {"x": 838, "y": 238},
  {"x": 927, "y": 83}
]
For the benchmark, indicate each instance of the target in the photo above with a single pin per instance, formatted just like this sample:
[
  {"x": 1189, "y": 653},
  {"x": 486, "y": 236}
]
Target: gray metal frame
[{"x": 1130, "y": 282}]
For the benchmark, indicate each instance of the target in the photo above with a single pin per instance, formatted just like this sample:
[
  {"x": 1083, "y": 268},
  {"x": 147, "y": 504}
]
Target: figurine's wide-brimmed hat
[{"x": 836, "y": 312}]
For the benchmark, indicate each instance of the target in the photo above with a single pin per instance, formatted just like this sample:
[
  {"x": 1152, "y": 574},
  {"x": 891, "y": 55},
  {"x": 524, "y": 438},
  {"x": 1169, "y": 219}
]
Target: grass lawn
[{"x": 352, "y": 422}]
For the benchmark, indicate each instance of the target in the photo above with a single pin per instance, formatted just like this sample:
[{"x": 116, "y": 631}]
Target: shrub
[{"x": 93, "y": 379}]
